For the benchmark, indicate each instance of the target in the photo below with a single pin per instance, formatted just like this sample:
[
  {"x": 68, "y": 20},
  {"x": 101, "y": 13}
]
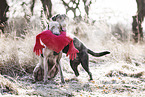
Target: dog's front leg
[
  {"x": 61, "y": 74},
  {"x": 45, "y": 69}
]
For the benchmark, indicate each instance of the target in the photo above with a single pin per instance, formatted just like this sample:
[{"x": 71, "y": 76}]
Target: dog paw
[{"x": 45, "y": 82}]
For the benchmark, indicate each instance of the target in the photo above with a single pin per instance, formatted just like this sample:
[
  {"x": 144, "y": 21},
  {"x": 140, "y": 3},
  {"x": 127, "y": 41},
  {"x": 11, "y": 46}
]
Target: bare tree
[
  {"x": 3, "y": 9},
  {"x": 75, "y": 6},
  {"x": 87, "y": 4},
  {"x": 137, "y": 21},
  {"x": 72, "y": 8}
]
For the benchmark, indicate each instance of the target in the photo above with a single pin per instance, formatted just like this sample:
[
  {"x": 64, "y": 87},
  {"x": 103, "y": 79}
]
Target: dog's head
[
  {"x": 54, "y": 27},
  {"x": 61, "y": 19}
]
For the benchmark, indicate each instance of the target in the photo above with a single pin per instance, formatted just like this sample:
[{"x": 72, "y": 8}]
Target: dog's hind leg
[
  {"x": 74, "y": 64},
  {"x": 85, "y": 64},
  {"x": 38, "y": 66}
]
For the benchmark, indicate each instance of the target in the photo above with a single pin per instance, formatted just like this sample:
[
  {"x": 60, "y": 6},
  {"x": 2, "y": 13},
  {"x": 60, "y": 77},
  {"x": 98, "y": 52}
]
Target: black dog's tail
[{"x": 98, "y": 54}]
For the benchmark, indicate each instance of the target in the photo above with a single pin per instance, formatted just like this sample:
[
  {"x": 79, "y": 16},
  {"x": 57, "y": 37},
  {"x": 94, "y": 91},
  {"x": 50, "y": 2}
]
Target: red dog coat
[{"x": 55, "y": 43}]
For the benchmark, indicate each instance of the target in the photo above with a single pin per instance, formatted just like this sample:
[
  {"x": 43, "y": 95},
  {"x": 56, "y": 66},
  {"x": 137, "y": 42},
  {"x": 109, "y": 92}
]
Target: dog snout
[{"x": 56, "y": 31}]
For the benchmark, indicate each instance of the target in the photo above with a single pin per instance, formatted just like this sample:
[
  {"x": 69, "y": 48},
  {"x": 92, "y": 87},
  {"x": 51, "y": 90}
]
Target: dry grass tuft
[
  {"x": 16, "y": 52},
  {"x": 8, "y": 86},
  {"x": 121, "y": 73}
]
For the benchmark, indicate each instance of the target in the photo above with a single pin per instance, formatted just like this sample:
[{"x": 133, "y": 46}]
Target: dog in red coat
[{"x": 49, "y": 56}]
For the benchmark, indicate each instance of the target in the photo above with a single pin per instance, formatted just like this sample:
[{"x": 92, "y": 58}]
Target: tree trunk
[
  {"x": 135, "y": 29},
  {"x": 137, "y": 21},
  {"x": 47, "y": 7},
  {"x": 3, "y": 9}
]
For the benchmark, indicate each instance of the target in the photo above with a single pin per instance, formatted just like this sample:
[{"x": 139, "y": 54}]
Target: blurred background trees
[{"x": 74, "y": 7}]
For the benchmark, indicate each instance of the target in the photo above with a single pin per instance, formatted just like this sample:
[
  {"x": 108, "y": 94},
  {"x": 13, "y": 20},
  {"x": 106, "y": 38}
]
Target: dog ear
[
  {"x": 54, "y": 18},
  {"x": 57, "y": 15}
]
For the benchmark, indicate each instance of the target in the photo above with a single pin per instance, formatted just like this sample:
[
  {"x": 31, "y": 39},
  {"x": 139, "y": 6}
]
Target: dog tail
[{"x": 98, "y": 54}]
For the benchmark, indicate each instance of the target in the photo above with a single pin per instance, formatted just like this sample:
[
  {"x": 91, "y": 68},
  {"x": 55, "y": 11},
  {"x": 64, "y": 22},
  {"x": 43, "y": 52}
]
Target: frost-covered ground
[{"x": 110, "y": 80}]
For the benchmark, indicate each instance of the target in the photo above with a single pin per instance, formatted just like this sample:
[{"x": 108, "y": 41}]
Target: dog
[
  {"x": 49, "y": 57},
  {"x": 82, "y": 57}
]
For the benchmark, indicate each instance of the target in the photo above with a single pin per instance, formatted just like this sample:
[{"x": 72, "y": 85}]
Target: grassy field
[{"x": 119, "y": 74}]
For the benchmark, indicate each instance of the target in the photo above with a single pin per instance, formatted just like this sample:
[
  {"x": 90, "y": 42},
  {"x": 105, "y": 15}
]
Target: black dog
[{"x": 82, "y": 56}]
